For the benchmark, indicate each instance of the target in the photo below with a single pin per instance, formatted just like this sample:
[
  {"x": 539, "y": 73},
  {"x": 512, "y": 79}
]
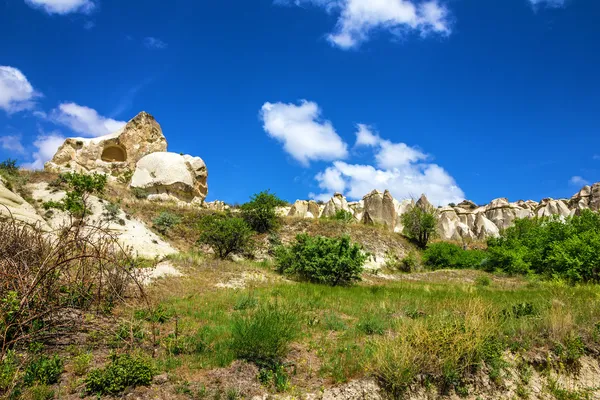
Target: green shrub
[
  {"x": 260, "y": 213},
  {"x": 39, "y": 392},
  {"x": 9, "y": 367},
  {"x": 78, "y": 188},
  {"x": 331, "y": 261},
  {"x": 444, "y": 255},
  {"x": 81, "y": 363},
  {"x": 372, "y": 325},
  {"x": 568, "y": 249},
  {"x": 139, "y": 193},
  {"x": 165, "y": 221},
  {"x": 225, "y": 235},
  {"x": 44, "y": 370},
  {"x": 343, "y": 216},
  {"x": 420, "y": 223},
  {"x": 123, "y": 371},
  {"x": 9, "y": 168},
  {"x": 264, "y": 336},
  {"x": 483, "y": 281}
]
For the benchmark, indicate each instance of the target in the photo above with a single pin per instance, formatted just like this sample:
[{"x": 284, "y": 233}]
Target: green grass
[{"x": 394, "y": 332}]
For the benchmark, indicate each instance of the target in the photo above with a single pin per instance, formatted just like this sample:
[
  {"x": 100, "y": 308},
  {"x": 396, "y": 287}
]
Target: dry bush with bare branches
[{"x": 49, "y": 280}]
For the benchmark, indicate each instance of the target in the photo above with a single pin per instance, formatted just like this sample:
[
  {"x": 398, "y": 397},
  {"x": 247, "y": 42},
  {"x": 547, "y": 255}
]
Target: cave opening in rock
[{"x": 114, "y": 153}]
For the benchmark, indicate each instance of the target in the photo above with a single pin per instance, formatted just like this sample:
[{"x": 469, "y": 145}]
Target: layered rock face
[
  {"x": 139, "y": 148},
  {"x": 111, "y": 154},
  {"x": 463, "y": 222},
  {"x": 172, "y": 177}
]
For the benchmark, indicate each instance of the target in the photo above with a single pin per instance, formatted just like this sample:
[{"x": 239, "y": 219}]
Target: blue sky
[{"x": 456, "y": 98}]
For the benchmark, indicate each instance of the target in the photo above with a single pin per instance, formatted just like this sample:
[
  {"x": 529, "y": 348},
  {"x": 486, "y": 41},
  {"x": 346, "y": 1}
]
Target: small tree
[
  {"x": 260, "y": 213},
  {"x": 165, "y": 221},
  {"x": 79, "y": 188},
  {"x": 225, "y": 235},
  {"x": 332, "y": 261},
  {"x": 420, "y": 223}
]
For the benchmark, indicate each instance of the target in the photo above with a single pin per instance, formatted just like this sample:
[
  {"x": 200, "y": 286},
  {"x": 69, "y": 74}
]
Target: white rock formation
[
  {"x": 337, "y": 203},
  {"x": 130, "y": 232},
  {"x": 305, "y": 209},
  {"x": 170, "y": 176},
  {"x": 113, "y": 154},
  {"x": 13, "y": 204}
]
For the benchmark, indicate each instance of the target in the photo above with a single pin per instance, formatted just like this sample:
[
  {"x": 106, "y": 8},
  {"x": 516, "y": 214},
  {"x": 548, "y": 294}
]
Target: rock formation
[
  {"x": 11, "y": 204},
  {"x": 379, "y": 208},
  {"x": 171, "y": 177},
  {"x": 305, "y": 209},
  {"x": 336, "y": 203},
  {"x": 113, "y": 154}
]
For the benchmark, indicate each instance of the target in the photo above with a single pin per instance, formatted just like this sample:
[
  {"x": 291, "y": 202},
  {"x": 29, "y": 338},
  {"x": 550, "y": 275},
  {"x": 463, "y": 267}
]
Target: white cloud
[
  {"x": 63, "y": 7},
  {"x": 359, "y": 19},
  {"x": 47, "y": 145},
  {"x": 12, "y": 143},
  {"x": 154, "y": 43},
  {"x": 548, "y": 3},
  {"x": 578, "y": 181},
  {"x": 401, "y": 169},
  {"x": 16, "y": 93},
  {"x": 305, "y": 136},
  {"x": 84, "y": 120}
]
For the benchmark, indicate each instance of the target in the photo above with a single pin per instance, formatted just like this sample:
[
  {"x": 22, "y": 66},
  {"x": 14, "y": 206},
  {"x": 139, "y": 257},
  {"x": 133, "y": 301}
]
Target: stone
[
  {"x": 447, "y": 223},
  {"x": 304, "y": 209},
  {"x": 401, "y": 208},
  {"x": 549, "y": 207},
  {"x": 172, "y": 176},
  {"x": 357, "y": 209},
  {"x": 484, "y": 228},
  {"x": 113, "y": 154},
  {"x": 379, "y": 208},
  {"x": 337, "y": 203},
  {"x": 11, "y": 204}
]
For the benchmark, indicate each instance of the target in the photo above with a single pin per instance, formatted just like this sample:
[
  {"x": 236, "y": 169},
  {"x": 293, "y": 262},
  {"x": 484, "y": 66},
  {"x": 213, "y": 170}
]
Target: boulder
[
  {"x": 11, "y": 204},
  {"x": 549, "y": 207},
  {"x": 357, "y": 209},
  {"x": 484, "y": 228},
  {"x": 304, "y": 209},
  {"x": 503, "y": 214},
  {"x": 447, "y": 223},
  {"x": 379, "y": 208},
  {"x": 337, "y": 203},
  {"x": 171, "y": 176},
  {"x": 113, "y": 154}
]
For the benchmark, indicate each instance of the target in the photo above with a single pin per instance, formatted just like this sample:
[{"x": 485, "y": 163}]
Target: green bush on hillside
[
  {"x": 165, "y": 221},
  {"x": 343, "y": 216},
  {"x": 260, "y": 213},
  {"x": 78, "y": 189},
  {"x": 420, "y": 223},
  {"x": 225, "y": 235},
  {"x": 123, "y": 371},
  {"x": 568, "y": 249},
  {"x": 331, "y": 261},
  {"x": 447, "y": 255},
  {"x": 264, "y": 336}
]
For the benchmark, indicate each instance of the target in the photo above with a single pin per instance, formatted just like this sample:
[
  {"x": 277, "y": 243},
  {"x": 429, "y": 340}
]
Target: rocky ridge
[{"x": 465, "y": 221}]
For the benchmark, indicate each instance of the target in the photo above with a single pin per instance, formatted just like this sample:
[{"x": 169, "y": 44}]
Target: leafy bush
[
  {"x": 122, "y": 372},
  {"x": 568, "y": 249},
  {"x": 260, "y": 213},
  {"x": 165, "y": 221},
  {"x": 78, "y": 189},
  {"x": 8, "y": 371},
  {"x": 420, "y": 223},
  {"x": 343, "y": 216},
  {"x": 331, "y": 261},
  {"x": 264, "y": 336},
  {"x": 81, "y": 363},
  {"x": 225, "y": 235},
  {"x": 44, "y": 370},
  {"x": 447, "y": 255},
  {"x": 139, "y": 193}
]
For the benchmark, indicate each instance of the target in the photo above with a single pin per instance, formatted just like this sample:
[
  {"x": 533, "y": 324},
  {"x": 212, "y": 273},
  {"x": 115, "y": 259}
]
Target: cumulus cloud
[
  {"x": 12, "y": 143},
  {"x": 401, "y": 169},
  {"x": 16, "y": 93},
  {"x": 63, "y": 7},
  {"x": 548, "y": 3},
  {"x": 84, "y": 120},
  {"x": 359, "y": 19},
  {"x": 154, "y": 43},
  {"x": 46, "y": 144},
  {"x": 578, "y": 181},
  {"x": 305, "y": 136}
]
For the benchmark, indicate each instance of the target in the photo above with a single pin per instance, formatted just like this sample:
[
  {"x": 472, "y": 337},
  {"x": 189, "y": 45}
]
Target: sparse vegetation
[
  {"x": 78, "y": 189},
  {"x": 331, "y": 261},
  {"x": 343, "y": 216},
  {"x": 165, "y": 221}
]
